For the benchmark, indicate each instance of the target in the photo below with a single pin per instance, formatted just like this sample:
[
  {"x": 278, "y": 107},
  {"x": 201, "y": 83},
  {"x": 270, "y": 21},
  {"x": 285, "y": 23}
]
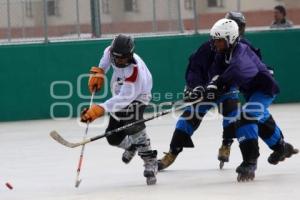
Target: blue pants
[
  {"x": 256, "y": 120},
  {"x": 192, "y": 116}
]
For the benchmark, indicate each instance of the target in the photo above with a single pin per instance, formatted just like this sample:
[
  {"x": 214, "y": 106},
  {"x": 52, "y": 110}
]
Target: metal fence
[{"x": 48, "y": 20}]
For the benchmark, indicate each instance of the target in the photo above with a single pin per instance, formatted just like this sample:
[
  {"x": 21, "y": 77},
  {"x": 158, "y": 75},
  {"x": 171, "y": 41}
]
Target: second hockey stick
[
  {"x": 55, "y": 135},
  {"x": 61, "y": 140}
]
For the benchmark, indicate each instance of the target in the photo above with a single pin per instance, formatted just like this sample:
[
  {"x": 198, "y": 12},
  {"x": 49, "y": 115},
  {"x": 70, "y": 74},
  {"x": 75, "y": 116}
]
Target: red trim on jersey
[{"x": 132, "y": 78}]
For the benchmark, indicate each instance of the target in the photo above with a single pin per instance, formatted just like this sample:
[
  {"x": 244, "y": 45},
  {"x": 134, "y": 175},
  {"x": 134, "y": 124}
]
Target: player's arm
[
  {"x": 195, "y": 78},
  {"x": 217, "y": 84},
  {"x": 97, "y": 74}
]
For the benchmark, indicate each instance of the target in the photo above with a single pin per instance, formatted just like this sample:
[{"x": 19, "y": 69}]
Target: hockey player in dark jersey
[
  {"x": 197, "y": 76},
  {"x": 259, "y": 88},
  {"x": 239, "y": 18}
]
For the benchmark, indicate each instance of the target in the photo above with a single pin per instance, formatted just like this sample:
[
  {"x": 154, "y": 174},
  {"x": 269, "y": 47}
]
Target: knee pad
[
  {"x": 270, "y": 132},
  {"x": 267, "y": 128},
  {"x": 141, "y": 141}
]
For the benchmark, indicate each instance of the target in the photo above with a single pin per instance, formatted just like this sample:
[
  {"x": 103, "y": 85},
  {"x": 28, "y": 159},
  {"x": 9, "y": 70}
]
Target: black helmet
[
  {"x": 239, "y": 18},
  {"x": 122, "y": 47}
]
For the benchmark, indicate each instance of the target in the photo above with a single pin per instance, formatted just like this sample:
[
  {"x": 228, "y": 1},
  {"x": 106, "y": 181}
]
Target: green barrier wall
[{"x": 27, "y": 71}]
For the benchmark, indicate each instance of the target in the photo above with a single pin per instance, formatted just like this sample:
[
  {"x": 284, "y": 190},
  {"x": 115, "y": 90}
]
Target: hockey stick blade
[
  {"x": 64, "y": 142},
  {"x": 77, "y": 183}
]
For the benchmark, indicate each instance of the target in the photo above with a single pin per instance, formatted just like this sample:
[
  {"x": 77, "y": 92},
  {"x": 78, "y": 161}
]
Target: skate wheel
[
  {"x": 239, "y": 178},
  {"x": 245, "y": 178},
  {"x": 151, "y": 180},
  {"x": 221, "y": 165}
]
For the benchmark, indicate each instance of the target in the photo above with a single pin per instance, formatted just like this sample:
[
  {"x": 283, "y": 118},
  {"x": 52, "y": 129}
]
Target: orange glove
[
  {"x": 92, "y": 113},
  {"x": 96, "y": 79}
]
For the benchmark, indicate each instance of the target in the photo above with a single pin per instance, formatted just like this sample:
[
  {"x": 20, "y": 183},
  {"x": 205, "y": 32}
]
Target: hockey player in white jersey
[{"x": 131, "y": 85}]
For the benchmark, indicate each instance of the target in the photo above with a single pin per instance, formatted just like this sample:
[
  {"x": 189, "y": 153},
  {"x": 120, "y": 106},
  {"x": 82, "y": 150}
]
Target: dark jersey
[
  {"x": 248, "y": 72},
  {"x": 199, "y": 70},
  {"x": 255, "y": 50}
]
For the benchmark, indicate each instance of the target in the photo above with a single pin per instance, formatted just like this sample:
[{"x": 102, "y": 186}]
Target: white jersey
[{"x": 128, "y": 84}]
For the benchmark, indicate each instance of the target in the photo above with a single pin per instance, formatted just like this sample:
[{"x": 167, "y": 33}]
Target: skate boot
[
  {"x": 167, "y": 160},
  {"x": 246, "y": 171},
  {"x": 224, "y": 153},
  {"x": 285, "y": 150},
  {"x": 150, "y": 164},
  {"x": 129, "y": 154}
]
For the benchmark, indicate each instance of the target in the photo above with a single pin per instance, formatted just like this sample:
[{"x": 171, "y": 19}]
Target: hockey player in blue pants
[
  {"x": 259, "y": 88},
  {"x": 198, "y": 75}
]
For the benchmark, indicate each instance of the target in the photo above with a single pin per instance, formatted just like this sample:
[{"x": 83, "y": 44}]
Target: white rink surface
[{"x": 39, "y": 168}]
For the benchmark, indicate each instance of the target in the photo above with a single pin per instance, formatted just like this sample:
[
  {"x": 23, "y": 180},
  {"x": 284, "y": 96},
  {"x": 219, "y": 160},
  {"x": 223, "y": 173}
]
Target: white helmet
[{"x": 225, "y": 29}]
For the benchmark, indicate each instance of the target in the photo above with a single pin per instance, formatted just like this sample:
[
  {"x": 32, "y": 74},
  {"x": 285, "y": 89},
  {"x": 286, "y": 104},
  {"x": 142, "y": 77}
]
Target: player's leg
[
  {"x": 230, "y": 111},
  {"x": 258, "y": 108},
  {"x": 273, "y": 137},
  {"x": 134, "y": 112},
  {"x": 188, "y": 122},
  {"x": 247, "y": 135},
  {"x": 122, "y": 139},
  {"x": 141, "y": 142},
  {"x": 134, "y": 139},
  {"x": 248, "y": 138}
]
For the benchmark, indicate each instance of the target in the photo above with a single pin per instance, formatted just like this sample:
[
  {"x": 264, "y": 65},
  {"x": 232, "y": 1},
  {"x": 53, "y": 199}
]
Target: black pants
[{"x": 131, "y": 113}]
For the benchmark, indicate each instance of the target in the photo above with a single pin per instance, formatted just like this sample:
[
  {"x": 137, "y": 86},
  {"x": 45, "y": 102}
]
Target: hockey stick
[
  {"x": 64, "y": 142},
  {"x": 78, "y": 180}
]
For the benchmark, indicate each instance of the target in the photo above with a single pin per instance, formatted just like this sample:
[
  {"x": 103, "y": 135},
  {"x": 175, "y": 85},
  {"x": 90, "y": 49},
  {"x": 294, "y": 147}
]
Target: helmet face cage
[
  {"x": 121, "y": 52},
  {"x": 115, "y": 59}
]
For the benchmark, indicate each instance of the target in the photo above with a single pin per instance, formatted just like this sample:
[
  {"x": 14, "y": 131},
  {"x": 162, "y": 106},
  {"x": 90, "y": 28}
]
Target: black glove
[
  {"x": 191, "y": 95},
  {"x": 212, "y": 92}
]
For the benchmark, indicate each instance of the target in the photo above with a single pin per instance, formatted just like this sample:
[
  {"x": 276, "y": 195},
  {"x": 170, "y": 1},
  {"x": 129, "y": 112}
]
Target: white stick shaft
[{"x": 77, "y": 182}]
